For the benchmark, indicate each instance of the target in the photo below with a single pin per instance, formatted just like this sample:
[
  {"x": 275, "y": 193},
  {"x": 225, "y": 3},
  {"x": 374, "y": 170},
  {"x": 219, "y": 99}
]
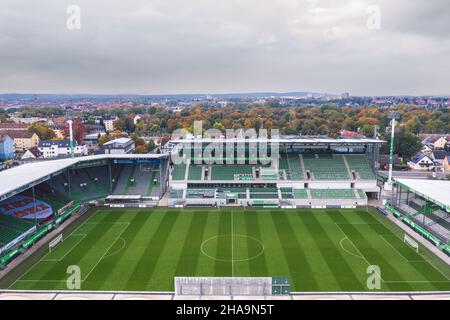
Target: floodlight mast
[
  {"x": 69, "y": 117},
  {"x": 393, "y": 116}
]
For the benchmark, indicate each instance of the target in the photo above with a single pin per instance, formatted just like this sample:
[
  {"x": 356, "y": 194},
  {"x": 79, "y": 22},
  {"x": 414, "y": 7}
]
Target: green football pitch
[{"x": 319, "y": 250}]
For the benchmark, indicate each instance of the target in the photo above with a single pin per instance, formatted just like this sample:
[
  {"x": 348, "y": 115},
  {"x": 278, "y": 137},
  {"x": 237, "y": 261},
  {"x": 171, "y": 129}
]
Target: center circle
[{"x": 230, "y": 243}]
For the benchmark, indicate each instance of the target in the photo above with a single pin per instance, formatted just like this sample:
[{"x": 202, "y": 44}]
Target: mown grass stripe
[
  {"x": 145, "y": 267},
  {"x": 418, "y": 264},
  {"x": 331, "y": 253},
  {"x": 372, "y": 255},
  {"x": 80, "y": 252},
  {"x": 188, "y": 261},
  {"x": 223, "y": 248},
  {"x": 257, "y": 266},
  {"x": 301, "y": 272},
  {"x": 106, "y": 266}
]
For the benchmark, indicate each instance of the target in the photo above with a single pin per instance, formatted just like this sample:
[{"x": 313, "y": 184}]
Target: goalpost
[
  {"x": 411, "y": 242},
  {"x": 55, "y": 242}
]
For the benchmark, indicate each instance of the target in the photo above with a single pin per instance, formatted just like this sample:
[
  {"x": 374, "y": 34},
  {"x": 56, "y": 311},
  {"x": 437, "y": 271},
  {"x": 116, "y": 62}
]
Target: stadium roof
[
  {"x": 284, "y": 140},
  {"x": 21, "y": 176},
  {"x": 436, "y": 191}
]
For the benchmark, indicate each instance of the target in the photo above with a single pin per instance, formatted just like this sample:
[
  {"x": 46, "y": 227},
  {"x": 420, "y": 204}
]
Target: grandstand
[
  {"x": 36, "y": 191},
  {"x": 326, "y": 166},
  {"x": 11, "y": 228},
  {"x": 306, "y": 172},
  {"x": 424, "y": 205}
]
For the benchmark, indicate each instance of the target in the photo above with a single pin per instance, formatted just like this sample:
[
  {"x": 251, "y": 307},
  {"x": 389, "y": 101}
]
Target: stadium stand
[
  {"x": 141, "y": 178},
  {"x": 263, "y": 193},
  {"x": 195, "y": 172},
  {"x": 300, "y": 194},
  {"x": 232, "y": 172},
  {"x": 176, "y": 194},
  {"x": 360, "y": 164},
  {"x": 361, "y": 193},
  {"x": 179, "y": 171},
  {"x": 201, "y": 193},
  {"x": 123, "y": 180},
  {"x": 295, "y": 167},
  {"x": 333, "y": 194},
  {"x": 11, "y": 228},
  {"x": 84, "y": 187},
  {"x": 222, "y": 193},
  {"x": 326, "y": 166}
]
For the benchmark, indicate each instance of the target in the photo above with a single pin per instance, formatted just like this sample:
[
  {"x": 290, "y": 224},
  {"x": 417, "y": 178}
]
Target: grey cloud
[{"x": 161, "y": 46}]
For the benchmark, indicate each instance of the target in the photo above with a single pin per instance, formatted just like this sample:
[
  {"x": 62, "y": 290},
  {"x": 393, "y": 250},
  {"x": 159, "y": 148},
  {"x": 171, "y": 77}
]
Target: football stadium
[{"x": 304, "y": 216}]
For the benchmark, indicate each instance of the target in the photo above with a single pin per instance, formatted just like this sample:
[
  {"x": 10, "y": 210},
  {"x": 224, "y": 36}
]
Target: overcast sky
[{"x": 215, "y": 46}]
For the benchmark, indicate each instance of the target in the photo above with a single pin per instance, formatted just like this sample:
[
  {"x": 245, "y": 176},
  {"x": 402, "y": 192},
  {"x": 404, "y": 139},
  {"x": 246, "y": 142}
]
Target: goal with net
[
  {"x": 411, "y": 242},
  {"x": 55, "y": 242}
]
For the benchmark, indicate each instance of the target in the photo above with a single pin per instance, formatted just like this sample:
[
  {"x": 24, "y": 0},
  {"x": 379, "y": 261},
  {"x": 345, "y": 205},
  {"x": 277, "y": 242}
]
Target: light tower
[
  {"x": 393, "y": 116},
  {"x": 69, "y": 116}
]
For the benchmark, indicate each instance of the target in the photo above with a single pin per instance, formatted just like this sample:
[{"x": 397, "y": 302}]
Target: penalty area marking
[
  {"x": 349, "y": 252},
  {"x": 359, "y": 252},
  {"x": 82, "y": 236}
]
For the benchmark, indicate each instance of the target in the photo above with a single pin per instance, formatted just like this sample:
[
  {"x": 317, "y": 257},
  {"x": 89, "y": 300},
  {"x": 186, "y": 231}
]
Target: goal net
[
  {"x": 411, "y": 242},
  {"x": 55, "y": 242}
]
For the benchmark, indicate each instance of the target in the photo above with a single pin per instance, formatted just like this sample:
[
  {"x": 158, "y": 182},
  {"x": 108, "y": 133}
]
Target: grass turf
[{"x": 320, "y": 250}]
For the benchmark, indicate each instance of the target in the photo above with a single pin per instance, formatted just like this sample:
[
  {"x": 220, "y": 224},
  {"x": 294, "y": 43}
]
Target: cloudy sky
[{"x": 215, "y": 46}]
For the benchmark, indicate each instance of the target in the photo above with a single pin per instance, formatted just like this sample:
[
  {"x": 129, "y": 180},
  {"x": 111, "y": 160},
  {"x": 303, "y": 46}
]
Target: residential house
[
  {"x": 435, "y": 141},
  {"x": 6, "y": 147},
  {"x": 108, "y": 123},
  {"x": 439, "y": 156},
  {"x": 23, "y": 139},
  {"x": 119, "y": 146},
  {"x": 60, "y": 148},
  {"x": 421, "y": 161},
  {"x": 446, "y": 164},
  {"x": 13, "y": 127},
  {"x": 32, "y": 153}
]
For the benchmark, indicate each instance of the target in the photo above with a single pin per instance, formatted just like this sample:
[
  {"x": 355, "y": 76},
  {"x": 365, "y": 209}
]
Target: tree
[
  {"x": 42, "y": 131},
  {"x": 79, "y": 131},
  {"x": 406, "y": 144},
  {"x": 110, "y": 136},
  {"x": 368, "y": 130}
]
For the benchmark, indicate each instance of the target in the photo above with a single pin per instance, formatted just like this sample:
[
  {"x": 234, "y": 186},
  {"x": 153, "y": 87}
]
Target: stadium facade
[{"x": 290, "y": 172}]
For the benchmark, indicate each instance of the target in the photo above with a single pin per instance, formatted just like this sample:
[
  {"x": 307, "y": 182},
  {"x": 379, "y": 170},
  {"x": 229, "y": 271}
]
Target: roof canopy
[
  {"x": 24, "y": 175},
  {"x": 284, "y": 140},
  {"x": 436, "y": 191}
]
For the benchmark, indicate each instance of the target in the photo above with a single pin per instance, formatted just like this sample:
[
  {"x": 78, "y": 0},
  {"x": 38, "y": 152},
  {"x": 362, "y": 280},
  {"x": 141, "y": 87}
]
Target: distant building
[
  {"x": 446, "y": 164},
  {"x": 13, "y": 126},
  {"x": 108, "y": 123},
  {"x": 6, "y": 147},
  {"x": 33, "y": 153},
  {"x": 439, "y": 156},
  {"x": 120, "y": 145},
  {"x": 91, "y": 138},
  {"x": 23, "y": 139},
  {"x": 29, "y": 120},
  {"x": 60, "y": 148},
  {"x": 434, "y": 141},
  {"x": 426, "y": 149},
  {"x": 349, "y": 134},
  {"x": 136, "y": 119},
  {"x": 421, "y": 161}
]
